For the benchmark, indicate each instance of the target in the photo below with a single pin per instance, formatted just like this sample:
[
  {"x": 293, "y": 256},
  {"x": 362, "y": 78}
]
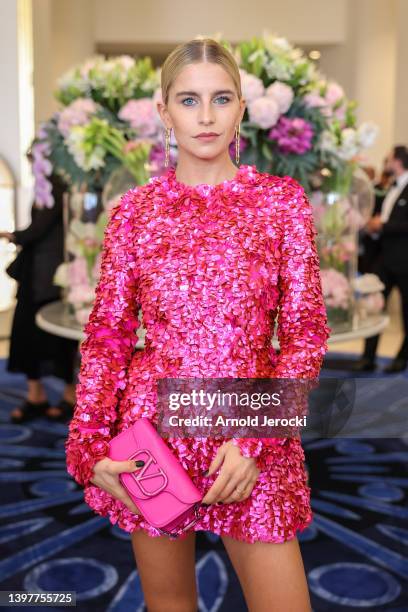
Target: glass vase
[
  {"x": 84, "y": 222},
  {"x": 336, "y": 220}
]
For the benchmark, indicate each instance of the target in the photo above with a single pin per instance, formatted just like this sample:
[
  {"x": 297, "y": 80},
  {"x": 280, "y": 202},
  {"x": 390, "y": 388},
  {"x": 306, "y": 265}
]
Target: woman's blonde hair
[{"x": 195, "y": 51}]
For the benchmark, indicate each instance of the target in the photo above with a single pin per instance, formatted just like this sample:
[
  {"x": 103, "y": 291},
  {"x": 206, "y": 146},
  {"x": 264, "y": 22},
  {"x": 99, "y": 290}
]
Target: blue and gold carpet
[{"x": 355, "y": 552}]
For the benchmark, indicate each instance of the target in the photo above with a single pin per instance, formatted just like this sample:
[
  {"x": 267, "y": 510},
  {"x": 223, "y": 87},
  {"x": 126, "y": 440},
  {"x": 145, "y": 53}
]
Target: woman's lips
[{"x": 210, "y": 137}]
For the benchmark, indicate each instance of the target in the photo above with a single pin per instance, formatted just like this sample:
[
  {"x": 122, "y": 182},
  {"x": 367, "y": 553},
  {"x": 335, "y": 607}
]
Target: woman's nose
[{"x": 206, "y": 114}]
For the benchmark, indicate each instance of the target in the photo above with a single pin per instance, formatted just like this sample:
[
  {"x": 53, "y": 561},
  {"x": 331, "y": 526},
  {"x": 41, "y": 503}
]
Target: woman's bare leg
[
  {"x": 35, "y": 394},
  {"x": 36, "y": 391},
  {"x": 272, "y": 576},
  {"x": 167, "y": 571}
]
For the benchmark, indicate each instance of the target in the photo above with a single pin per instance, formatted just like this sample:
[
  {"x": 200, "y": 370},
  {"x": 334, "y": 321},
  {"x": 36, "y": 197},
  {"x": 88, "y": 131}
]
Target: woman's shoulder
[
  {"x": 280, "y": 185},
  {"x": 284, "y": 193}
]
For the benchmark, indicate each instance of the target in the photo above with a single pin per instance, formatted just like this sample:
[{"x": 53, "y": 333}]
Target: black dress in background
[{"x": 34, "y": 352}]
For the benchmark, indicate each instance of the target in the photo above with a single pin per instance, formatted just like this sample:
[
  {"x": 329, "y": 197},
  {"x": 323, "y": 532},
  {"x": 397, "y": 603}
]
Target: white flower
[
  {"x": 282, "y": 94},
  {"x": 328, "y": 142},
  {"x": 75, "y": 145},
  {"x": 61, "y": 275},
  {"x": 259, "y": 53},
  {"x": 349, "y": 145},
  {"x": 264, "y": 111},
  {"x": 252, "y": 87},
  {"x": 279, "y": 68},
  {"x": 282, "y": 43},
  {"x": 367, "y": 134},
  {"x": 349, "y": 137},
  {"x": 368, "y": 283},
  {"x": 275, "y": 43}
]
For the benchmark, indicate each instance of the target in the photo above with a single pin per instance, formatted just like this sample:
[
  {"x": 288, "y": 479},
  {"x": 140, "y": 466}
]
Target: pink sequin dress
[{"x": 211, "y": 266}]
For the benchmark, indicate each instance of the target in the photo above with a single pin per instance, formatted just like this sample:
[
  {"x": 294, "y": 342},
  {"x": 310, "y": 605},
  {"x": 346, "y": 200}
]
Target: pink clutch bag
[{"x": 161, "y": 489}]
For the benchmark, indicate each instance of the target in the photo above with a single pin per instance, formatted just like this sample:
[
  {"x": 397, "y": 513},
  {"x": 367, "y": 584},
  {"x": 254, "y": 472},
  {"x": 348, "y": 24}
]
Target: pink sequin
[{"x": 211, "y": 266}]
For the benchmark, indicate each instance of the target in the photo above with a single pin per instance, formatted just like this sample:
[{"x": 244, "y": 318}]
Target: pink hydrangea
[
  {"x": 336, "y": 288},
  {"x": 293, "y": 135},
  {"x": 334, "y": 93},
  {"x": 282, "y": 94},
  {"x": 81, "y": 294},
  {"x": 264, "y": 111},
  {"x": 314, "y": 100},
  {"x": 78, "y": 272},
  {"x": 252, "y": 87},
  {"x": 77, "y": 113},
  {"x": 141, "y": 114}
]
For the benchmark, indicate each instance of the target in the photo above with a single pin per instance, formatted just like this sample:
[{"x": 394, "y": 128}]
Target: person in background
[
  {"x": 369, "y": 243},
  {"x": 33, "y": 351},
  {"x": 391, "y": 224}
]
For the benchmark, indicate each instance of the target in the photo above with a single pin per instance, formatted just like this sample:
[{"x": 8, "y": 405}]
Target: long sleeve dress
[{"x": 210, "y": 266}]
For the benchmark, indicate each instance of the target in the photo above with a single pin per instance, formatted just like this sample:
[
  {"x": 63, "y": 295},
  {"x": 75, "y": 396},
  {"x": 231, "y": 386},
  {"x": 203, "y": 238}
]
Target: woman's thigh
[
  {"x": 272, "y": 576},
  {"x": 167, "y": 571}
]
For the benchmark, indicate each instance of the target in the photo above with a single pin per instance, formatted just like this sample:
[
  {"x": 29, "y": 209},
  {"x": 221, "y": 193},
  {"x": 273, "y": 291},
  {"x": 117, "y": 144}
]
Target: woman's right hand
[{"x": 106, "y": 476}]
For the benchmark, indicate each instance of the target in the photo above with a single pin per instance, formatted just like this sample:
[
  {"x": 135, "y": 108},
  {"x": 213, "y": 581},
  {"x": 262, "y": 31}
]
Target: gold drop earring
[
  {"x": 167, "y": 147},
  {"x": 237, "y": 142}
]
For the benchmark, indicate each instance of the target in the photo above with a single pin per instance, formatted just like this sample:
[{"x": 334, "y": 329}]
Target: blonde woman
[{"x": 210, "y": 251}]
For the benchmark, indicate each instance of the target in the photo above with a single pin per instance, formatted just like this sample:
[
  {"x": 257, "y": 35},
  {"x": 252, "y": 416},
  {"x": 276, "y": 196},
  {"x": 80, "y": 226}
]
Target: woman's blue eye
[
  {"x": 219, "y": 98},
  {"x": 223, "y": 97}
]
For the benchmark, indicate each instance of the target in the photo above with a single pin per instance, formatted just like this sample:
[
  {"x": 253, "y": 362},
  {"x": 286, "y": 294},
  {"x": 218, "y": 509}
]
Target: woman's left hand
[{"x": 237, "y": 476}]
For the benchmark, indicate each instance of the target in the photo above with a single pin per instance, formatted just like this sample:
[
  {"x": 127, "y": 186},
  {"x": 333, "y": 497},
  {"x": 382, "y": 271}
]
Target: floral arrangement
[
  {"x": 107, "y": 126},
  {"x": 369, "y": 293},
  {"x": 108, "y": 120},
  {"x": 296, "y": 123}
]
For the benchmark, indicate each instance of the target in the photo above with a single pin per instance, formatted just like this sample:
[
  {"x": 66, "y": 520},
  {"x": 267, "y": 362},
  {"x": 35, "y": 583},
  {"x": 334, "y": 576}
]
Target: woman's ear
[
  {"x": 242, "y": 104},
  {"x": 161, "y": 109}
]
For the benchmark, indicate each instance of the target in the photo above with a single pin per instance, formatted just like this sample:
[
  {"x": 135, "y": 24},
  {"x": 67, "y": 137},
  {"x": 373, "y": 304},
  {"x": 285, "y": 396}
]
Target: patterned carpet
[{"x": 355, "y": 552}]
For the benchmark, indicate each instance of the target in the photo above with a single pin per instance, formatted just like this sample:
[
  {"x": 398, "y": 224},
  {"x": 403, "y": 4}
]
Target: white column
[
  {"x": 401, "y": 85},
  {"x": 366, "y": 66},
  {"x": 374, "y": 69},
  {"x": 16, "y": 101}
]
